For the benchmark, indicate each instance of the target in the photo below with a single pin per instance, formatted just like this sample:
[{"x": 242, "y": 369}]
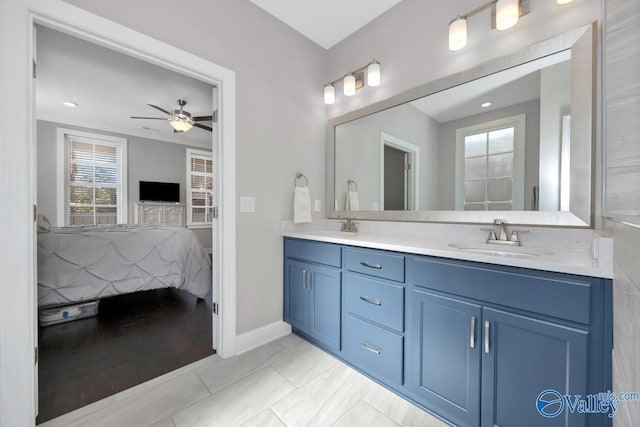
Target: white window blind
[
  {"x": 93, "y": 181},
  {"x": 199, "y": 188}
]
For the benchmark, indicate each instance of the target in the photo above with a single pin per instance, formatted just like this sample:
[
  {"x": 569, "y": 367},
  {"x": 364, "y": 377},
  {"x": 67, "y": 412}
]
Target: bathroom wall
[
  {"x": 280, "y": 121},
  {"x": 622, "y": 139},
  {"x": 358, "y": 154}
]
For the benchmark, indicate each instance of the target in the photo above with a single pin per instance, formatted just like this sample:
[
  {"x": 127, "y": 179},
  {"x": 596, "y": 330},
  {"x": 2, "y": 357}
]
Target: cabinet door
[
  {"x": 444, "y": 356},
  {"x": 522, "y": 357},
  {"x": 296, "y": 295},
  {"x": 324, "y": 320}
]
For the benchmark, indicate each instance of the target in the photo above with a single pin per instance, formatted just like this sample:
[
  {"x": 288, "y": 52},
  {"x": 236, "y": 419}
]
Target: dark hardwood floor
[{"x": 134, "y": 338}]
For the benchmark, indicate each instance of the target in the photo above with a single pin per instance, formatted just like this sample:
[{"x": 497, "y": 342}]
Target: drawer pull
[
  {"x": 371, "y": 301},
  {"x": 472, "y": 332},
  {"x": 367, "y": 264},
  {"x": 369, "y": 348}
]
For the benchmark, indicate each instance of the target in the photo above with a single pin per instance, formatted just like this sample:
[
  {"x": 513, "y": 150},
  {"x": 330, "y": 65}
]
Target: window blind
[{"x": 199, "y": 187}]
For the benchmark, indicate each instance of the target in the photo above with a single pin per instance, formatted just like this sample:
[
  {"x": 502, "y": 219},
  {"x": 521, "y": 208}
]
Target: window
[
  {"x": 490, "y": 169},
  {"x": 92, "y": 180},
  {"x": 199, "y": 188}
]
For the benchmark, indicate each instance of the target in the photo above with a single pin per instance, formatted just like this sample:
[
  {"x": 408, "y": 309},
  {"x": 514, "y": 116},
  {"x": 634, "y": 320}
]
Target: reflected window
[{"x": 487, "y": 176}]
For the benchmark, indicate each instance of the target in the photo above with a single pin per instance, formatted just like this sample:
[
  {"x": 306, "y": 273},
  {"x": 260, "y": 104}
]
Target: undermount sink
[{"x": 513, "y": 252}]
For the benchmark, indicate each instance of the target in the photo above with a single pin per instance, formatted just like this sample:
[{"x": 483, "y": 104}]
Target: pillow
[{"x": 43, "y": 223}]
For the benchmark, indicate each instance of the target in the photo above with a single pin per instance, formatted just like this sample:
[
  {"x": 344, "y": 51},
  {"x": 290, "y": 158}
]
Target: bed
[{"x": 86, "y": 264}]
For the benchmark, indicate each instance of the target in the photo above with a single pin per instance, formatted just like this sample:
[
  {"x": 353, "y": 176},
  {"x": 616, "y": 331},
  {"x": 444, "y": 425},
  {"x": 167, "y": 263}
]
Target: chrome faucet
[
  {"x": 349, "y": 226},
  {"x": 499, "y": 236}
]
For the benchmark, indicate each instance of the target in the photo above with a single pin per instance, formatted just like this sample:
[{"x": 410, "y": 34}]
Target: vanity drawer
[
  {"x": 553, "y": 294},
  {"x": 374, "y": 300},
  {"x": 318, "y": 252},
  {"x": 373, "y": 349},
  {"x": 375, "y": 263}
]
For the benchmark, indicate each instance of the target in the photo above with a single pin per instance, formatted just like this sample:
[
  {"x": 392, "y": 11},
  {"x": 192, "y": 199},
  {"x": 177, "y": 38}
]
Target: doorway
[
  {"x": 19, "y": 306},
  {"x": 399, "y": 174}
]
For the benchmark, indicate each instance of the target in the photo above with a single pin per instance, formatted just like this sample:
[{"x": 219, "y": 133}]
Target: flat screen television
[{"x": 159, "y": 191}]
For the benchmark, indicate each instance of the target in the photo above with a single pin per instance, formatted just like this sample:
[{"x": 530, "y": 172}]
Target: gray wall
[
  {"x": 622, "y": 136},
  {"x": 358, "y": 153},
  {"x": 280, "y": 122},
  {"x": 447, "y": 160},
  {"x": 147, "y": 160}
]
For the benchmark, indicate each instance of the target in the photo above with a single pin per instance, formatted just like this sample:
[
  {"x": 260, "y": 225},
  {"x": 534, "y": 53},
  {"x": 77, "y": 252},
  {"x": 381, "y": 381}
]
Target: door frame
[
  {"x": 413, "y": 182},
  {"x": 17, "y": 171}
]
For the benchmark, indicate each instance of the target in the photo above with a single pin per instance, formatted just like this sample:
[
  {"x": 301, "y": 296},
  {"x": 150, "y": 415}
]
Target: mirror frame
[{"x": 582, "y": 41}]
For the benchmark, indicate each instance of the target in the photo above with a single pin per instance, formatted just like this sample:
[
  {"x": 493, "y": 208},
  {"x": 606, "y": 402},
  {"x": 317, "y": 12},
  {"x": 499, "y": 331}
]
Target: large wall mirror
[{"x": 512, "y": 138}]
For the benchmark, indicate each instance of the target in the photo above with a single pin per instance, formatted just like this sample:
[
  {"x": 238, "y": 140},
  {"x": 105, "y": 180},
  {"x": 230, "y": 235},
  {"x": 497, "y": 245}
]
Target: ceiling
[
  {"x": 326, "y": 22},
  {"x": 109, "y": 87}
]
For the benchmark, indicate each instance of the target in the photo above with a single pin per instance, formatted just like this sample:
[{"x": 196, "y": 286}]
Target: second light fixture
[{"x": 353, "y": 81}]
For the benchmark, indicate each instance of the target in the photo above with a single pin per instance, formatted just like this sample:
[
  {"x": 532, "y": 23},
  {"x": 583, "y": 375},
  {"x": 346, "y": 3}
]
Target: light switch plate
[
  {"x": 247, "y": 204},
  {"x": 317, "y": 205}
]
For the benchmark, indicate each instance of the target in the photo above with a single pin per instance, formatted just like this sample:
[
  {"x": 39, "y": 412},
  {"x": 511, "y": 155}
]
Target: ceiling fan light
[{"x": 180, "y": 124}]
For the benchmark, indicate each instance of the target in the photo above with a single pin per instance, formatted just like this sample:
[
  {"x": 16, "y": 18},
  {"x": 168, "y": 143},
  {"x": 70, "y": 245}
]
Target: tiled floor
[{"x": 285, "y": 383}]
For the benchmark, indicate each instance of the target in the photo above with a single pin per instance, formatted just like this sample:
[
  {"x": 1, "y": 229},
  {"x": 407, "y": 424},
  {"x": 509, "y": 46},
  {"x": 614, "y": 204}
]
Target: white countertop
[{"x": 578, "y": 261}]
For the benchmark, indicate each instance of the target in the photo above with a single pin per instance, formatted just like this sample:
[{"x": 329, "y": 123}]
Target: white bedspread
[{"x": 86, "y": 264}]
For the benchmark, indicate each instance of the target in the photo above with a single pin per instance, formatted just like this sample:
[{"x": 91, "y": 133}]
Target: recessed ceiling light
[
  {"x": 70, "y": 104},
  {"x": 486, "y": 104}
]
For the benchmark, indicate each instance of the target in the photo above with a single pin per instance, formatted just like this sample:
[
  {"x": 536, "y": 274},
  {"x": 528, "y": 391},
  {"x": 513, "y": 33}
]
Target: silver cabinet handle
[
  {"x": 486, "y": 336},
  {"x": 367, "y": 264},
  {"x": 369, "y": 348},
  {"x": 472, "y": 332},
  {"x": 304, "y": 279},
  {"x": 371, "y": 301}
]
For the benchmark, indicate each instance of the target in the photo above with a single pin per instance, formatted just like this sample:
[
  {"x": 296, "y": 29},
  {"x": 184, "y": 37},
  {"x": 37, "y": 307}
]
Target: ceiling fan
[{"x": 180, "y": 120}]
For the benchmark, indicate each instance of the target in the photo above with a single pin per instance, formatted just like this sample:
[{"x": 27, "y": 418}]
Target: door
[
  {"x": 296, "y": 295},
  {"x": 444, "y": 356},
  {"x": 324, "y": 305},
  {"x": 34, "y": 230},
  {"x": 395, "y": 180},
  {"x": 216, "y": 278},
  {"x": 522, "y": 357}
]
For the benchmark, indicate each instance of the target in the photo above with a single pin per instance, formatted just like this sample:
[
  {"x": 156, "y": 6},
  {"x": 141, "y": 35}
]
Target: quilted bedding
[{"x": 82, "y": 264}]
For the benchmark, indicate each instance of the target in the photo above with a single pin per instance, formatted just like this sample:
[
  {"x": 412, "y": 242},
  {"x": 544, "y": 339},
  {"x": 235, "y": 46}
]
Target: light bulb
[
  {"x": 507, "y": 14},
  {"x": 373, "y": 74},
  {"x": 457, "y": 34},
  {"x": 329, "y": 94},
  {"x": 349, "y": 85}
]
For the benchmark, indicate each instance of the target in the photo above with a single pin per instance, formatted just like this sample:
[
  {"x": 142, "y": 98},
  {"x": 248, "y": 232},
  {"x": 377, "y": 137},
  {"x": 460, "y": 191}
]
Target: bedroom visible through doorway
[{"x": 156, "y": 329}]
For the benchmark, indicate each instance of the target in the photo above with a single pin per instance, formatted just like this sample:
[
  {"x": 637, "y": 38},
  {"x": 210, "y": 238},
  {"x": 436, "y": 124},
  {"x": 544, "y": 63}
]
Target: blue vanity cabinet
[
  {"x": 483, "y": 341},
  {"x": 312, "y": 291},
  {"x": 444, "y": 355}
]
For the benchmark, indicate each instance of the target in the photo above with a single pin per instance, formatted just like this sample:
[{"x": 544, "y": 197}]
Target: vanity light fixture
[
  {"x": 70, "y": 104},
  {"x": 563, "y": 1},
  {"x": 504, "y": 15},
  {"x": 353, "y": 81}
]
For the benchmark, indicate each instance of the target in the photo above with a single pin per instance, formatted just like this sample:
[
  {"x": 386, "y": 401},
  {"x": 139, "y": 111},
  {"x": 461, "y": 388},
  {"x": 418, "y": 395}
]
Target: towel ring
[
  {"x": 299, "y": 176},
  {"x": 349, "y": 182}
]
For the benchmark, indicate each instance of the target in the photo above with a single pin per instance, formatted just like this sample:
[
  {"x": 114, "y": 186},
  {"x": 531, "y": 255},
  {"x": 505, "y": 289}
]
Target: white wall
[
  {"x": 358, "y": 153},
  {"x": 280, "y": 121},
  {"x": 555, "y": 101}
]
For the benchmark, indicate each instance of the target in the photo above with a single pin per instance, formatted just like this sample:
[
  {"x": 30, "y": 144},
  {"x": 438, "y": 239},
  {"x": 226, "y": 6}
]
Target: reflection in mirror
[{"x": 497, "y": 143}]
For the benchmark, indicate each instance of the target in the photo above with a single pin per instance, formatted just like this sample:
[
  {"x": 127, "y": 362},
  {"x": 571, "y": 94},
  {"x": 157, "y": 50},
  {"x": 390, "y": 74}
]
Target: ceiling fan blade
[
  {"x": 159, "y": 109},
  {"x": 202, "y": 118},
  {"x": 148, "y": 118},
  {"x": 198, "y": 125}
]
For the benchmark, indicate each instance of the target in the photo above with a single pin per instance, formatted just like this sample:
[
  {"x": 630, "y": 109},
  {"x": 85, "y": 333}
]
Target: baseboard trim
[{"x": 260, "y": 336}]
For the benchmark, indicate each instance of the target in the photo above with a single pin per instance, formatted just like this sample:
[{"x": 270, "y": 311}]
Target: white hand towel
[
  {"x": 301, "y": 205},
  {"x": 347, "y": 202},
  {"x": 354, "y": 201}
]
